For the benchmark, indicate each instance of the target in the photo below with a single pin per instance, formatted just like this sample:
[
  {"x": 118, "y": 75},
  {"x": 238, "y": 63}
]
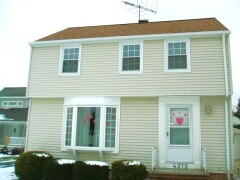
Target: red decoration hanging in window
[{"x": 179, "y": 120}]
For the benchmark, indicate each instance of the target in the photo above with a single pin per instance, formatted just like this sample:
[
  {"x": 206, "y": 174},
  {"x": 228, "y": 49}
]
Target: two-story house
[
  {"x": 13, "y": 116},
  {"x": 117, "y": 91}
]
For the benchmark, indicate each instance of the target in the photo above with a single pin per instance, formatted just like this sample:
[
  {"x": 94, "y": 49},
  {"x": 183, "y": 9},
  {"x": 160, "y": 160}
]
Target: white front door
[{"x": 179, "y": 134}]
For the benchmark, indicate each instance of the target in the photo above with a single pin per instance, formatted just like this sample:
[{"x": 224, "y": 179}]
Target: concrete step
[
  {"x": 178, "y": 174},
  {"x": 176, "y": 177}
]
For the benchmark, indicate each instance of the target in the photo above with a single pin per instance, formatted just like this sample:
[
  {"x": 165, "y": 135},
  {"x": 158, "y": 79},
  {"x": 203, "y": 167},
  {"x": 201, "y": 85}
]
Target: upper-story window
[
  {"x": 177, "y": 55},
  {"x": 70, "y": 60},
  {"x": 131, "y": 58}
]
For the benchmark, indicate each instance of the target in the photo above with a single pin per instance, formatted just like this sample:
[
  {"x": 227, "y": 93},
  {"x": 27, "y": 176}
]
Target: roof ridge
[{"x": 150, "y": 22}]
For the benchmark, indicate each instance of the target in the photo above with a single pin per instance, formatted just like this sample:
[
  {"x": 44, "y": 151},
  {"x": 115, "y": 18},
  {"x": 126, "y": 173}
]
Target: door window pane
[
  {"x": 179, "y": 126},
  {"x": 179, "y": 116},
  {"x": 88, "y": 126},
  {"x": 179, "y": 136}
]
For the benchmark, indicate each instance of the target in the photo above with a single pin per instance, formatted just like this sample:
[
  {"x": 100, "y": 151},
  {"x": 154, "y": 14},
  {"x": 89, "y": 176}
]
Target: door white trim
[
  {"x": 194, "y": 102},
  {"x": 179, "y": 153}
]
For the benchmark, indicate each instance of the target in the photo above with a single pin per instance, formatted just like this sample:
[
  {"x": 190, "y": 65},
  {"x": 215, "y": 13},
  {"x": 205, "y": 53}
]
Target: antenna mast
[{"x": 139, "y": 8}]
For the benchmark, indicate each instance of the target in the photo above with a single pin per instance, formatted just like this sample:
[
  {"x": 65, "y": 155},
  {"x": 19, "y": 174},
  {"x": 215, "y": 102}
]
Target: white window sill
[
  {"x": 130, "y": 72},
  {"x": 68, "y": 74},
  {"x": 177, "y": 70},
  {"x": 89, "y": 149}
]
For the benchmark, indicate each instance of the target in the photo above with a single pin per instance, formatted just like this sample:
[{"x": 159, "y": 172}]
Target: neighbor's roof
[
  {"x": 13, "y": 92},
  {"x": 146, "y": 28}
]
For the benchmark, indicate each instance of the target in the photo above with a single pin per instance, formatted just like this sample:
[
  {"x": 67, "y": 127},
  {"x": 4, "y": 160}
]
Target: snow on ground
[
  {"x": 7, "y": 155},
  {"x": 4, "y": 155},
  {"x": 7, "y": 173},
  {"x": 7, "y": 168}
]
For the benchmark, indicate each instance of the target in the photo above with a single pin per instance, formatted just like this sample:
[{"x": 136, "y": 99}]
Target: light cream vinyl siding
[
  {"x": 208, "y": 65},
  {"x": 45, "y": 126},
  {"x": 213, "y": 133},
  {"x": 139, "y": 128},
  {"x": 100, "y": 72},
  {"x": 44, "y": 64}
]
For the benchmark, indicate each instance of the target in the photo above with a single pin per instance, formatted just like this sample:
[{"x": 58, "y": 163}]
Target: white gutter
[
  {"x": 130, "y": 37},
  {"x": 29, "y": 103},
  {"x": 226, "y": 105},
  {"x": 225, "y": 64}
]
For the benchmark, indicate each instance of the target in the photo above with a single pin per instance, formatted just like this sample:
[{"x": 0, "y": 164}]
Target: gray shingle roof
[{"x": 13, "y": 92}]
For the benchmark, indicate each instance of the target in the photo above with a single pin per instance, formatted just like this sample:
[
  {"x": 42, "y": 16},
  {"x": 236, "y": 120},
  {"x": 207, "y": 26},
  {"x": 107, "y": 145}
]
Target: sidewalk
[{"x": 7, "y": 171}]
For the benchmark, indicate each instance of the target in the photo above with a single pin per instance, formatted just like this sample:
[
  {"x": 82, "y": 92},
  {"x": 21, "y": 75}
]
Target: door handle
[{"x": 167, "y": 134}]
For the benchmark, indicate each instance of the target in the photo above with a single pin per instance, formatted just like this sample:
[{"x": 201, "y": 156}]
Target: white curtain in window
[{"x": 88, "y": 125}]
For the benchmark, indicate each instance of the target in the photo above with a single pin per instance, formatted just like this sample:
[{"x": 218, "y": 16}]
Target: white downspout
[
  {"x": 28, "y": 124},
  {"x": 29, "y": 102},
  {"x": 226, "y": 104}
]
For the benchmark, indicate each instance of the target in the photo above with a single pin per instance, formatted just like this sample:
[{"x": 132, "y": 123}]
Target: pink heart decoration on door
[{"x": 179, "y": 120}]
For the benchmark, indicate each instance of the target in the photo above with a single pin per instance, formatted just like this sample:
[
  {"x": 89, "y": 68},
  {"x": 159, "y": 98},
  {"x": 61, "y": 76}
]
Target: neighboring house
[
  {"x": 117, "y": 91},
  {"x": 13, "y": 116}
]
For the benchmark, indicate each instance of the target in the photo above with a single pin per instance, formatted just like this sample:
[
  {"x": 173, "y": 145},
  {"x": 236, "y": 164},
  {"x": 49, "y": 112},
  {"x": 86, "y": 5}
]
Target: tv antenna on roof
[{"x": 139, "y": 8}]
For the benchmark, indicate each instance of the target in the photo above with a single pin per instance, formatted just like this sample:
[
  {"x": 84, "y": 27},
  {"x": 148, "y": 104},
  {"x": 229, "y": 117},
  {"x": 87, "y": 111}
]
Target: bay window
[{"x": 91, "y": 127}]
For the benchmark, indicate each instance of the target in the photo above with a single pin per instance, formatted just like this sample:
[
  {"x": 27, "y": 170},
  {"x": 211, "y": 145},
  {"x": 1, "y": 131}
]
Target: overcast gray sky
[{"x": 24, "y": 21}]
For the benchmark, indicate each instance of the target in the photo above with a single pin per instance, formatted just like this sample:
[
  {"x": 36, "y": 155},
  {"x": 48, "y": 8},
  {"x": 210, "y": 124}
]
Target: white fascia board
[{"x": 133, "y": 37}]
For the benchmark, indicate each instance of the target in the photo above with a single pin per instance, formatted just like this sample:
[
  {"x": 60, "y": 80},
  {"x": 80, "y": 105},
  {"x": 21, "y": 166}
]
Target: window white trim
[
  {"x": 60, "y": 73},
  {"x": 166, "y": 41},
  {"x": 121, "y": 44},
  {"x": 103, "y": 103}
]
